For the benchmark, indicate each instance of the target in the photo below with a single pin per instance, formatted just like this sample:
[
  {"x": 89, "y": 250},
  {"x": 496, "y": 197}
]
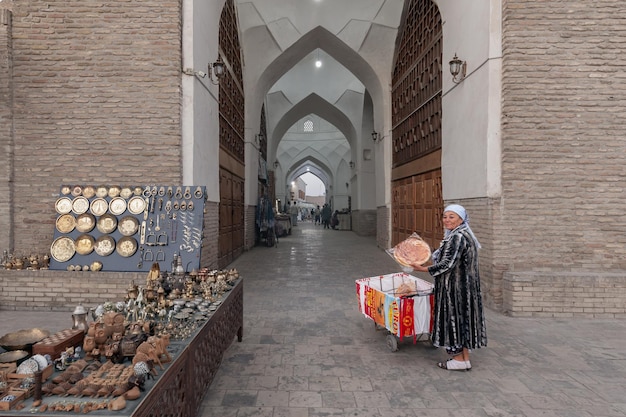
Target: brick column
[{"x": 6, "y": 132}]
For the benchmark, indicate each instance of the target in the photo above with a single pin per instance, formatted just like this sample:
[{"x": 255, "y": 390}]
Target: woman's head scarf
[{"x": 462, "y": 213}]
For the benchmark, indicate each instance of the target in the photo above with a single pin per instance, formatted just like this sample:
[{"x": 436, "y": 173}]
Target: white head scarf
[{"x": 462, "y": 213}]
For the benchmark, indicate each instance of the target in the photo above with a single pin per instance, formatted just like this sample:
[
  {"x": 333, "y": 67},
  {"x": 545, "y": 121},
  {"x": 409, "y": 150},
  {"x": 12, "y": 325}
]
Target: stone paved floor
[{"x": 308, "y": 352}]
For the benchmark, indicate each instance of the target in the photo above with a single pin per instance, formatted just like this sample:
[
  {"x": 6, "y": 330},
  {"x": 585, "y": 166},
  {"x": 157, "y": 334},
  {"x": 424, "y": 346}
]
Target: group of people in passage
[
  {"x": 459, "y": 321},
  {"x": 325, "y": 216}
]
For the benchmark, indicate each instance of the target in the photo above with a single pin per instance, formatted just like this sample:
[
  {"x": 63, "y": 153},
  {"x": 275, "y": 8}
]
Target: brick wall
[
  {"x": 563, "y": 152},
  {"x": 563, "y": 136},
  {"x": 6, "y": 129},
  {"x": 539, "y": 294},
  {"x": 364, "y": 222},
  {"x": 383, "y": 224},
  {"x": 62, "y": 291},
  {"x": 250, "y": 228},
  {"x": 97, "y": 101}
]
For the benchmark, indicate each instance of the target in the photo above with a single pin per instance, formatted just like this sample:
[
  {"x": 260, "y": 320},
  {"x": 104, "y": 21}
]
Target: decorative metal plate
[
  {"x": 65, "y": 190},
  {"x": 128, "y": 226},
  {"x": 102, "y": 191},
  {"x": 85, "y": 222},
  {"x": 104, "y": 246},
  {"x": 117, "y": 206},
  {"x": 65, "y": 223},
  {"x": 77, "y": 190},
  {"x": 126, "y": 193},
  {"x": 107, "y": 223},
  {"x": 62, "y": 249},
  {"x": 126, "y": 246},
  {"x": 84, "y": 244},
  {"x": 89, "y": 191},
  {"x": 80, "y": 205},
  {"x": 136, "y": 205},
  {"x": 114, "y": 191},
  {"x": 63, "y": 205},
  {"x": 99, "y": 206}
]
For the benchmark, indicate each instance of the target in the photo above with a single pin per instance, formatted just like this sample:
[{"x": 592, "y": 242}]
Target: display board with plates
[{"x": 127, "y": 228}]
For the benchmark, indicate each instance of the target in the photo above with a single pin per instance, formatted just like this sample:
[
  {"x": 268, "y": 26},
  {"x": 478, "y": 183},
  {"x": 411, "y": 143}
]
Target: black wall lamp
[
  {"x": 216, "y": 71},
  {"x": 374, "y": 136},
  {"x": 458, "y": 69}
]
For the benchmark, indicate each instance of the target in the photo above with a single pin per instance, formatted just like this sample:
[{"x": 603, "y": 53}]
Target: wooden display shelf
[{"x": 180, "y": 389}]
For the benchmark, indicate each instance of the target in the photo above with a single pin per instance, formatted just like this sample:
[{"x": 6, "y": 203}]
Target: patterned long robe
[{"x": 459, "y": 321}]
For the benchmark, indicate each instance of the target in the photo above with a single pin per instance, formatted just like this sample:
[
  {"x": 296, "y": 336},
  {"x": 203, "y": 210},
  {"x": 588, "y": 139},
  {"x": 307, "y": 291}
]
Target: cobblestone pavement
[{"x": 308, "y": 352}]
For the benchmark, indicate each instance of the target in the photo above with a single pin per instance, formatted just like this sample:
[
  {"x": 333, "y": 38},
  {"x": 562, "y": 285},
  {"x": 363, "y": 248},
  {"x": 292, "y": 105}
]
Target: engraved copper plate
[
  {"x": 63, "y": 205},
  {"x": 114, "y": 191},
  {"x": 104, "y": 246},
  {"x": 77, "y": 190},
  {"x": 102, "y": 191},
  {"x": 107, "y": 223},
  {"x": 128, "y": 226},
  {"x": 84, "y": 244},
  {"x": 65, "y": 190},
  {"x": 65, "y": 223},
  {"x": 126, "y": 193},
  {"x": 136, "y": 205},
  {"x": 126, "y": 246},
  {"x": 99, "y": 206},
  {"x": 85, "y": 222},
  {"x": 80, "y": 205},
  {"x": 117, "y": 206},
  {"x": 62, "y": 249},
  {"x": 89, "y": 191}
]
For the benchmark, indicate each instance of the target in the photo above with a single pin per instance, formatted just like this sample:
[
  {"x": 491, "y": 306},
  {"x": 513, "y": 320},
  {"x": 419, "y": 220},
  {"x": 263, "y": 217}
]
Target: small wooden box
[
  {"x": 57, "y": 343},
  {"x": 7, "y": 405},
  {"x": 6, "y": 369},
  {"x": 45, "y": 374}
]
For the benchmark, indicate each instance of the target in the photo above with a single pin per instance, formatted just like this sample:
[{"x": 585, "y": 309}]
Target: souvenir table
[{"x": 178, "y": 390}]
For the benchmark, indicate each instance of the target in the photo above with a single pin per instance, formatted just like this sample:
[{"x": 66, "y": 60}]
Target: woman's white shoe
[{"x": 454, "y": 365}]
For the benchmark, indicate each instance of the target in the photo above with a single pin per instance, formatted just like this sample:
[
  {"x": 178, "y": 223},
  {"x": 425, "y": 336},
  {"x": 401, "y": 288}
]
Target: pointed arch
[
  {"x": 322, "y": 108},
  {"x": 318, "y": 38}
]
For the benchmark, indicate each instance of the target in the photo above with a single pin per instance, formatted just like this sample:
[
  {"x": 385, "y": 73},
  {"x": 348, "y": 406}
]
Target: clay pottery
[
  {"x": 91, "y": 331},
  {"x": 100, "y": 336},
  {"x": 133, "y": 393},
  {"x": 117, "y": 404}
]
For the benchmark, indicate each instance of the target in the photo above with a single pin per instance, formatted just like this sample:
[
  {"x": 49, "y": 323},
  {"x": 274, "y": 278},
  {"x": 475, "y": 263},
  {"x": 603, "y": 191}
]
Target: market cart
[{"x": 400, "y": 303}]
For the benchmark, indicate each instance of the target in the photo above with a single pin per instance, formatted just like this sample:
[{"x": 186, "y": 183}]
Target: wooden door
[
  {"x": 416, "y": 207},
  {"x": 231, "y": 221}
]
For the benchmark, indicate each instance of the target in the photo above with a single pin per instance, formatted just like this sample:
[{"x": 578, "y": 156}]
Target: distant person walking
[{"x": 326, "y": 213}]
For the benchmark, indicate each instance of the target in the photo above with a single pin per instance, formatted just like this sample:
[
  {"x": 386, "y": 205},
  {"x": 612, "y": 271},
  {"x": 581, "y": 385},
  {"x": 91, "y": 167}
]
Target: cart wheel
[{"x": 392, "y": 343}]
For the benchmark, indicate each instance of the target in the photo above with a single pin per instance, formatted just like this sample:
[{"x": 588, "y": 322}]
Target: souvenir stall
[{"x": 152, "y": 352}]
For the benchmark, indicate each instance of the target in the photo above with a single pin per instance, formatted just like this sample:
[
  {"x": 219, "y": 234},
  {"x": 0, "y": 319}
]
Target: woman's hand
[{"x": 420, "y": 268}]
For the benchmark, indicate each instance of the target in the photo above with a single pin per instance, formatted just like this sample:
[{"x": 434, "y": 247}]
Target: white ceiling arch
[
  {"x": 317, "y": 167},
  {"x": 312, "y": 104},
  {"x": 321, "y": 38}
]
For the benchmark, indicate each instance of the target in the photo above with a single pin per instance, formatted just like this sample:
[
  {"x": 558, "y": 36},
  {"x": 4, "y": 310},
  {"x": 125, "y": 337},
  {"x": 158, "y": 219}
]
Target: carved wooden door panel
[
  {"x": 417, "y": 200},
  {"x": 231, "y": 226},
  {"x": 416, "y": 207}
]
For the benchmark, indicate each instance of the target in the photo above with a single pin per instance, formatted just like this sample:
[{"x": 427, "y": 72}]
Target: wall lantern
[
  {"x": 216, "y": 71},
  {"x": 351, "y": 164},
  {"x": 374, "y": 136},
  {"x": 458, "y": 69},
  {"x": 275, "y": 164}
]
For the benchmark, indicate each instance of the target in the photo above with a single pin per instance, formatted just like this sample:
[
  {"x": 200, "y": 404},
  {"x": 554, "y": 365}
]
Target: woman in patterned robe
[{"x": 459, "y": 322}]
